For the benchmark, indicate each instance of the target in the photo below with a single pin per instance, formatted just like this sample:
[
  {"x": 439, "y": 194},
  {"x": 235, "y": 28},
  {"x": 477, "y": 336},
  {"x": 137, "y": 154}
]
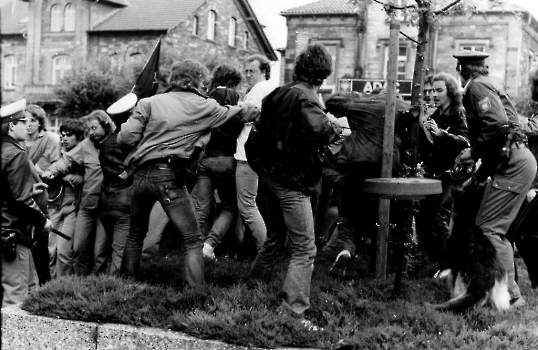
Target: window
[
  {"x": 10, "y": 74},
  {"x": 211, "y": 24},
  {"x": 245, "y": 41},
  {"x": 403, "y": 65},
  {"x": 60, "y": 65},
  {"x": 472, "y": 44},
  {"x": 69, "y": 23},
  {"x": 55, "y": 18},
  {"x": 231, "y": 32},
  {"x": 195, "y": 25}
]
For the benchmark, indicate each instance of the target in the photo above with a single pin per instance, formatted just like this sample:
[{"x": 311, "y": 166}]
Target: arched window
[
  {"x": 195, "y": 25},
  {"x": 211, "y": 24},
  {"x": 56, "y": 19},
  {"x": 232, "y": 31},
  {"x": 69, "y": 23},
  {"x": 60, "y": 65},
  {"x": 10, "y": 72}
]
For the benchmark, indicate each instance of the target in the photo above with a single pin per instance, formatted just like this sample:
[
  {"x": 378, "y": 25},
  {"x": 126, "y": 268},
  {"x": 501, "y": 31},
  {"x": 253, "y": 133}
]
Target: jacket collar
[{"x": 9, "y": 139}]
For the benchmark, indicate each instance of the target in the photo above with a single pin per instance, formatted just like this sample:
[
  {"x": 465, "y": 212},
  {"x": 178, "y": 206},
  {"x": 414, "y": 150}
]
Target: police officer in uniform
[
  {"x": 24, "y": 204},
  {"x": 508, "y": 167}
]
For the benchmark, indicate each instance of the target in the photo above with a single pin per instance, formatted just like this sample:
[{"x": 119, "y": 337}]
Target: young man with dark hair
[{"x": 293, "y": 132}]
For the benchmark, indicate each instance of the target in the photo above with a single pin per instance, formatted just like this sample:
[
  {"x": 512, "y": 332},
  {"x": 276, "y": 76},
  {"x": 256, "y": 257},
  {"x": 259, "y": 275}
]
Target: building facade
[
  {"x": 42, "y": 40},
  {"x": 358, "y": 38}
]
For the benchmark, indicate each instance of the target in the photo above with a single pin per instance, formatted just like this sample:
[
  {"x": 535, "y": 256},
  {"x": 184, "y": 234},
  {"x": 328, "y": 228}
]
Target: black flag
[{"x": 146, "y": 84}]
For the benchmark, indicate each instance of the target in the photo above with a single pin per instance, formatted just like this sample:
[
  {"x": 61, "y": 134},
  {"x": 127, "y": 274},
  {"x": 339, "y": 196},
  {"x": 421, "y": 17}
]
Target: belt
[
  {"x": 159, "y": 163},
  {"x": 242, "y": 161}
]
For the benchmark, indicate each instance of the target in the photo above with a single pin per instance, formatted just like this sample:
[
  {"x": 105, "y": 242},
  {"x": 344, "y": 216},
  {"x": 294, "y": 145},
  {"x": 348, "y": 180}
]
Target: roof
[
  {"x": 322, "y": 7},
  {"x": 14, "y": 17},
  {"x": 147, "y": 15}
]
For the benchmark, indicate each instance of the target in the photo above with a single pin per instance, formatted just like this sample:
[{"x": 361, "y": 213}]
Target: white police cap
[
  {"x": 124, "y": 104},
  {"x": 13, "y": 111}
]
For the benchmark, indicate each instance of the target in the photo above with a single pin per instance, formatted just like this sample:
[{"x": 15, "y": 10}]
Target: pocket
[
  {"x": 499, "y": 200},
  {"x": 169, "y": 191}
]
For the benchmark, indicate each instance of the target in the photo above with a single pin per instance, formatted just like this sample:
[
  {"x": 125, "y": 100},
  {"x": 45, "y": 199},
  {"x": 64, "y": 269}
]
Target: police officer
[
  {"x": 24, "y": 204},
  {"x": 508, "y": 167}
]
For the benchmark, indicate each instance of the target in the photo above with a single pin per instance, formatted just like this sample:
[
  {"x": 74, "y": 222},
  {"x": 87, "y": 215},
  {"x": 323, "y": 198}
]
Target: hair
[
  {"x": 224, "y": 75},
  {"x": 473, "y": 70},
  {"x": 313, "y": 65},
  {"x": 533, "y": 81},
  {"x": 5, "y": 128},
  {"x": 75, "y": 127},
  {"x": 428, "y": 79},
  {"x": 103, "y": 118},
  {"x": 453, "y": 90},
  {"x": 265, "y": 64},
  {"x": 187, "y": 75},
  {"x": 38, "y": 113}
]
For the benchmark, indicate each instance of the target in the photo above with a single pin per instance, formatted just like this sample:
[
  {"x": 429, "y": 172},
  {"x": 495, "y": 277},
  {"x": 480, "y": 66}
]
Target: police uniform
[
  {"x": 20, "y": 211},
  {"x": 508, "y": 166}
]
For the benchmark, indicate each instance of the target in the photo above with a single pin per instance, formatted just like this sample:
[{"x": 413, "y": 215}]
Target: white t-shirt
[{"x": 254, "y": 97}]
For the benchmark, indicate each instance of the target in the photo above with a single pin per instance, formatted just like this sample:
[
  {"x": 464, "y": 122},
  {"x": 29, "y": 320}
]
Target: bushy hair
[
  {"x": 453, "y": 90},
  {"x": 533, "y": 81},
  {"x": 313, "y": 65},
  {"x": 103, "y": 118},
  {"x": 75, "y": 127},
  {"x": 473, "y": 70},
  {"x": 265, "y": 64},
  {"x": 38, "y": 113},
  {"x": 224, "y": 75},
  {"x": 428, "y": 79},
  {"x": 187, "y": 75}
]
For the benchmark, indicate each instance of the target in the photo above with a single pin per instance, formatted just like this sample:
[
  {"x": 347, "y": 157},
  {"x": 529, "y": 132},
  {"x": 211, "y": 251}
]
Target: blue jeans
[
  {"x": 246, "y": 182},
  {"x": 60, "y": 249},
  {"x": 216, "y": 173},
  {"x": 152, "y": 183},
  {"x": 292, "y": 220}
]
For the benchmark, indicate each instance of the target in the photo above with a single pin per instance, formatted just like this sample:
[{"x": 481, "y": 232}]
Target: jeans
[
  {"x": 216, "y": 173},
  {"x": 115, "y": 224},
  {"x": 157, "y": 224},
  {"x": 503, "y": 196},
  {"x": 152, "y": 183},
  {"x": 60, "y": 249},
  {"x": 246, "y": 182},
  {"x": 89, "y": 243},
  {"x": 290, "y": 212}
]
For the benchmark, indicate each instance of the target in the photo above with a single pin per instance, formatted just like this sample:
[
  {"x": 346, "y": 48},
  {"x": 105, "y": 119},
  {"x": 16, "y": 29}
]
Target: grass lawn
[{"x": 360, "y": 313}]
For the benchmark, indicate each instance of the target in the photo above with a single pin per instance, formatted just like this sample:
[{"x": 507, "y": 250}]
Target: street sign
[{"x": 368, "y": 86}]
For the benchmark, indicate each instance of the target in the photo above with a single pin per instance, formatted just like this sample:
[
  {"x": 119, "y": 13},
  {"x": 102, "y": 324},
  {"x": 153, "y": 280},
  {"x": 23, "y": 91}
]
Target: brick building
[
  {"x": 43, "y": 39},
  {"x": 358, "y": 40}
]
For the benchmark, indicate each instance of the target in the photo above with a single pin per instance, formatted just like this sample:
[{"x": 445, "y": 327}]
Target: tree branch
[
  {"x": 447, "y": 7},
  {"x": 394, "y": 7}
]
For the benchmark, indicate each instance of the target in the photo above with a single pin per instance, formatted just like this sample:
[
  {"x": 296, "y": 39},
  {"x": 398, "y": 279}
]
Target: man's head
[
  {"x": 533, "y": 80},
  {"x": 428, "y": 89},
  {"x": 445, "y": 90},
  {"x": 37, "y": 119},
  {"x": 14, "y": 120},
  {"x": 188, "y": 75},
  {"x": 71, "y": 133},
  {"x": 257, "y": 69},
  {"x": 121, "y": 110},
  {"x": 225, "y": 75},
  {"x": 313, "y": 65},
  {"x": 471, "y": 63},
  {"x": 99, "y": 125}
]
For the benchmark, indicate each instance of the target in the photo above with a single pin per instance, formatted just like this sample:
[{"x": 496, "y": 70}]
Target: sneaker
[
  {"x": 517, "y": 303},
  {"x": 340, "y": 264},
  {"x": 208, "y": 252}
]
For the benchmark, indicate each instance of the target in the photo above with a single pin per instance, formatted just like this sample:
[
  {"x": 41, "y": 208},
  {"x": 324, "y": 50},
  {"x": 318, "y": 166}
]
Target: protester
[
  {"x": 24, "y": 203},
  {"x": 447, "y": 127},
  {"x": 507, "y": 165},
  {"x": 61, "y": 249},
  {"x": 292, "y": 134},
  {"x": 257, "y": 72},
  {"x": 43, "y": 149},
  {"x": 216, "y": 169},
  {"x": 164, "y": 135},
  {"x": 90, "y": 250}
]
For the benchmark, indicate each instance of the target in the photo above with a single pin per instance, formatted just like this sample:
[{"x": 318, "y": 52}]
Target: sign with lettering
[{"x": 367, "y": 86}]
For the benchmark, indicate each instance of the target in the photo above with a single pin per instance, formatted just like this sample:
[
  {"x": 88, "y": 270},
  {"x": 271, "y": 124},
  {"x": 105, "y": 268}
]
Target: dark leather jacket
[
  {"x": 19, "y": 209},
  {"x": 294, "y": 131}
]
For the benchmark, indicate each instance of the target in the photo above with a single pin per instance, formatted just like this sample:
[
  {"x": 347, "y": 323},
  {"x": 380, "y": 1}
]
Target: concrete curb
[{"x": 24, "y": 331}]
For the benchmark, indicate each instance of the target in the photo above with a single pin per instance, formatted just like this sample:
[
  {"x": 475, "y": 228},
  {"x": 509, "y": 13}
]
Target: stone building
[
  {"x": 358, "y": 39},
  {"x": 44, "y": 39}
]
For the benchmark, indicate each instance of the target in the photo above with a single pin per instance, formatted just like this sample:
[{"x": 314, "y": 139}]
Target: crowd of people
[{"x": 284, "y": 166}]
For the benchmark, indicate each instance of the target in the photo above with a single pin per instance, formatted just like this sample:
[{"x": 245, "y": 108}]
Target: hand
[
  {"x": 464, "y": 158},
  {"x": 38, "y": 188},
  {"x": 432, "y": 127},
  {"x": 48, "y": 227},
  {"x": 47, "y": 175},
  {"x": 76, "y": 180},
  {"x": 531, "y": 194}
]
